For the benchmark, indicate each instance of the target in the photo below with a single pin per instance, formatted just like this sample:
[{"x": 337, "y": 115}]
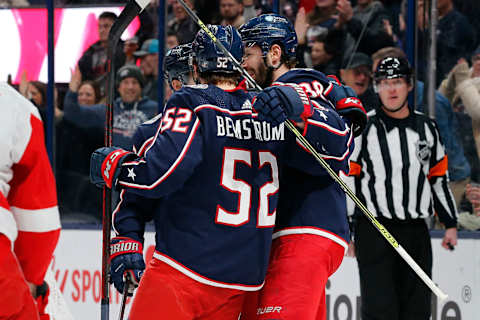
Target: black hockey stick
[
  {"x": 131, "y": 10},
  {"x": 408, "y": 259}
]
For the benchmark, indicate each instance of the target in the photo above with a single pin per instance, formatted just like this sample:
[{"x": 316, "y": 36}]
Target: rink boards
[{"x": 78, "y": 258}]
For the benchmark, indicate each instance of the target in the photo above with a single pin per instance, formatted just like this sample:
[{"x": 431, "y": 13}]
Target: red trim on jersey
[
  {"x": 34, "y": 251},
  {"x": 145, "y": 145},
  {"x": 33, "y": 174},
  {"x": 331, "y": 235},
  {"x": 202, "y": 279}
]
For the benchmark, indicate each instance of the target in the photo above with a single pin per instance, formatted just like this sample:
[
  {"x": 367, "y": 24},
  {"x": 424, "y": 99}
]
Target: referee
[{"x": 400, "y": 172}]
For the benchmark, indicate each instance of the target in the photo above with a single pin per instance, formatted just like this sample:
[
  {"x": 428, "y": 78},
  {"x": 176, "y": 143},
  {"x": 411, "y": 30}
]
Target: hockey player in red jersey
[
  {"x": 29, "y": 219},
  {"x": 311, "y": 232},
  {"x": 215, "y": 167}
]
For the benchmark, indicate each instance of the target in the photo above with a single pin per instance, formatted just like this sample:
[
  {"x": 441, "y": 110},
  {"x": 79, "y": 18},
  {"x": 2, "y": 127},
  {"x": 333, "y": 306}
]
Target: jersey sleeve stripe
[
  {"x": 117, "y": 209},
  {"x": 8, "y": 226},
  {"x": 40, "y": 220},
  {"x": 172, "y": 168},
  {"x": 145, "y": 145},
  {"x": 216, "y": 108},
  {"x": 329, "y": 157},
  {"x": 197, "y": 277},
  {"x": 329, "y": 128}
]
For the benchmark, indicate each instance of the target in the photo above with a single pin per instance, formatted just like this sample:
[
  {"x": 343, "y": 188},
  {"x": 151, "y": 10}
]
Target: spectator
[
  {"x": 93, "y": 61},
  {"x": 326, "y": 52},
  {"x": 14, "y": 3},
  {"x": 79, "y": 198},
  {"x": 181, "y": 24},
  {"x": 129, "y": 48},
  {"x": 36, "y": 92},
  {"x": 130, "y": 109},
  {"x": 356, "y": 73},
  {"x": 231, "y": 12},
  {"x": 458, "y": 166},
  {"x": 148, "y": 55},
  {"x": 469, "y": 219},
  {"x": 400, "y": 170},
  {"x": 172, "y": 40},
  {"x": 455, "y": 38},
  {"x": 369, "y": 17}
]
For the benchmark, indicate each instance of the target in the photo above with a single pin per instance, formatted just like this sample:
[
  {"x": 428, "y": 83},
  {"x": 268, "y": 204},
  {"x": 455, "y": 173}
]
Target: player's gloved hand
[
  {"x": 126, "y": 256},
  {"x": 348, "y": 105},
  {"x": 280, "y": 102},
  {"x": 42, "y": 293},
  {"x": 104, "y": 163}
]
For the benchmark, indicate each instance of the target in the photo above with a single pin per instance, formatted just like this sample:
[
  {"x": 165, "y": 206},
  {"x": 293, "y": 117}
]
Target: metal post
[
  {"x": 276, "y": 6},
  {"x": 411, "y": 45},
  {"x": 431, "y": 81},
  {"x": 49, "y": 123},
  {"x": 162, "y": 24}
]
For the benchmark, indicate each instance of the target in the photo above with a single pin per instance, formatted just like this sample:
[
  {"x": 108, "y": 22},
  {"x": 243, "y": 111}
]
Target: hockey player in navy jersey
[
  {"x": 311, "y": 233},
  {"x": 215, "y": 167},
  {"x": 131, "y": 206}
]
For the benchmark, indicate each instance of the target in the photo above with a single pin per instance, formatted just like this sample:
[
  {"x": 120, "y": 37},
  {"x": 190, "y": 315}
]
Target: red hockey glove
[
  {"x": 104, "y": 163},
  {"x": 348, "y": 105}
]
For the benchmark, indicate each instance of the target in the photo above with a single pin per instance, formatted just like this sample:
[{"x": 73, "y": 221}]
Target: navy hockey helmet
[
  {"x": 177, "y": 63},
  {"x": 209, "y": 57},
  {"x": 392, "y": 68},
  {"x": 268, "y": 29}
]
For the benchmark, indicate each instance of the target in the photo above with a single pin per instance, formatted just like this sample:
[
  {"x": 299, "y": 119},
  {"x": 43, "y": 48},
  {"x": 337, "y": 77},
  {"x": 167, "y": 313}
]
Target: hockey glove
[
  {"x": 126, "y": 256},
  {"x": 348, "y": 105},
  {"x": 105, "y": 164},
  {"x": 280, "y": 102}
]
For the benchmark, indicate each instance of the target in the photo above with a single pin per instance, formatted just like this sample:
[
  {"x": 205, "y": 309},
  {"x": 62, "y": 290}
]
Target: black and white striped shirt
[{"x": 400, "y": 169}]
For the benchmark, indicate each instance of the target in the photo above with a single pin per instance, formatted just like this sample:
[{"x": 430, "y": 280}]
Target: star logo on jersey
[
  {"x": 131, "y": 174},
  {"x": 323, "y": 115}
]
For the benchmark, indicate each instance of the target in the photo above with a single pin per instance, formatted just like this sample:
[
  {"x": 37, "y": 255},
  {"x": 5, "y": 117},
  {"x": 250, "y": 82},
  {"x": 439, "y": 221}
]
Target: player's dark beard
[{"x": 264, "y": 75}]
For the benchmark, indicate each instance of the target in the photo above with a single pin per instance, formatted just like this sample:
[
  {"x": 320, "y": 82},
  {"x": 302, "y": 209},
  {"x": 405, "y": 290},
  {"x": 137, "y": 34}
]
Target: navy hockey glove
[
  {"x": 126, "y": 256},
  {"x": 348, "y": 105},
  {"x": 281, "y": 102},
  {"x": 104, "y": 163}
]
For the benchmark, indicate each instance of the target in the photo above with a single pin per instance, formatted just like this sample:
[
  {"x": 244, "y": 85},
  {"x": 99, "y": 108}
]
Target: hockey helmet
[
  {"x": 177, "y": 63},
  {"x": 209, "y": 57},
  {"x": 268, "y": 29},
  {"x": 393, "y": 67}
]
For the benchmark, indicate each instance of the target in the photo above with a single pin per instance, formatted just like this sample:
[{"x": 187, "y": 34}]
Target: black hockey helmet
[{"x": 391, "y": 68}]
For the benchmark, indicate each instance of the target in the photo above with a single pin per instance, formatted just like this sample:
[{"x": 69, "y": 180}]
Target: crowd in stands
[{"x": 339, "y": 37}]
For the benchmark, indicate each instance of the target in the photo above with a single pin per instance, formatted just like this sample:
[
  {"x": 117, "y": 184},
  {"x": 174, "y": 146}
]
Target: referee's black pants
[{"x": 390, "y": 290}]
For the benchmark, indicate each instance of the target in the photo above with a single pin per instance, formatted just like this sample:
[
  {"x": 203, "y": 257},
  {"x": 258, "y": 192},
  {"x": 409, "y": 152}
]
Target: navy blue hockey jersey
[
  {"x": 216, "y": 169},
  {"x": 308, "y": 204}
]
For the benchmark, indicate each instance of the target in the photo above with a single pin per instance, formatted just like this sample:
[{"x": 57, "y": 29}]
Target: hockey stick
[
  {"x": 131, "y": 10},
  {"x": 128, "y": 282},
  {"x": 408, "y": 259}
]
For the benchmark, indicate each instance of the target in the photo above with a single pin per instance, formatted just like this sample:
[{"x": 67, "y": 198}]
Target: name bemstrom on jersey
[{"x": 244, "y": 129}]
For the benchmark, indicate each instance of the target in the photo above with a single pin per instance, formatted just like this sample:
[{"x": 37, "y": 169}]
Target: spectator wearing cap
[
  {"x": 356, "y": 73},
  {"x": 129, "y": 110},
  {"x": 93, "y": 62},
  {"x": 148, "y": 55},
  {"x": 129, "y": 48}
]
